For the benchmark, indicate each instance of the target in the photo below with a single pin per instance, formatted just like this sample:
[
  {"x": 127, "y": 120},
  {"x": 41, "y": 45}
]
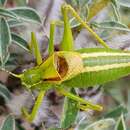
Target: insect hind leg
[
  {"x": 84, "y": 104},
  {"x": 68, "y": 8}
]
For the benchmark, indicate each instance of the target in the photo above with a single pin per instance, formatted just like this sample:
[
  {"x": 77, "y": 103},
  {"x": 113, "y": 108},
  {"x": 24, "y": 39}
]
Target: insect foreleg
[
  {"x": 84, "y": 105},
  {"x": 34, "y": 47},
  {"x": 30, "y": 117},
  {"x": 84, "y": 24}
]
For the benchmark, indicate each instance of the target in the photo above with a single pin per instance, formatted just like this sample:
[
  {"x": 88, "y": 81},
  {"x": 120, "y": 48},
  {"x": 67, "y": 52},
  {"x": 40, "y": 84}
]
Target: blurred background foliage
[{"x": 109, "y": 18}]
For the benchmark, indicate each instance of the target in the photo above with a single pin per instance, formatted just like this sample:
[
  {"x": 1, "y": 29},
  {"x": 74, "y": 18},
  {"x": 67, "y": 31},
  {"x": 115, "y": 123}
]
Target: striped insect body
[{"x": 101, "y": 66}]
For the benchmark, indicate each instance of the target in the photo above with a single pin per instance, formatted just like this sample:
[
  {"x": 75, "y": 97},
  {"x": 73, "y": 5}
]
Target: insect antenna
[{"x": 15, "y": 75}]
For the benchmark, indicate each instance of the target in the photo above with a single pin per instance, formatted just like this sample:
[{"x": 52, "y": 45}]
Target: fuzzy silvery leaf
[
  {"x": 21, "y": 2},
  {"x": 2, "y": 2},
  {"x": 116, "y": 7},
  {"x": 55, "y": 129},
  {"x": 70, "y": 111},
  {"x": 116, "y": 112},
  {"x": 20, "y": 41},
  {"x": 115, "y": 3},
  {"x": 5, "y": 39},
  {"x": 4, "y": 92},
  {"x": 7, "y": 13},
  {"x": 111, "y": 25},
  {"x": 8, "y": 124},
  {"x": 125, "y": 3},
  {"x": 6, "y": 58},
  {"x": 76, "y": 3},
  {"x": 120, "y": 124},
  {"x": 96, "y": 7},
  {"x": 105, "y": 124},
  {"x": 83, "y": 14},
  {"x": 14, "y": 23},
  {"x": 26, "y": 14},
  {"x": 10, "y": 61}
]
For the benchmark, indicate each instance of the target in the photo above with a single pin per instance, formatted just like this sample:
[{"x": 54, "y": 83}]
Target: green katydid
[{"x": 72, "y": 68}]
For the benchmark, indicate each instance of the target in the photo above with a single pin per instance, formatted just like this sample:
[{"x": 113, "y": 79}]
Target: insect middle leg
[{"x": 30, "y": 117}]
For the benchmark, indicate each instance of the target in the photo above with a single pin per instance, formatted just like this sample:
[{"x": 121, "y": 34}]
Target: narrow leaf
[
  {"x": 20, "y": 41},
  {"x": 21, "y": 2},
  {"x": 8, "y": 124},
  {"x": 112, "y": 25},
  {"x": 120, "y": 124},
  {"x": 19, "y": 126},
  {"x": 115, "y": 3},
  {"x": 7, "y": 13},
  {"x": 5, "y": 39},
  {"x": 116, "y": 112},
  {"x": 27, "y": 14},
  {"x": 70, "y": 112},
  {"x": 74, "y": 23},
  {"x": 55, "y": 129},
  {"x": 14, "y": 23},
  {"x": 96, "y": 8},
  {"x": 125, "y": 3},
  {"x": 106, "y": 124},
  {"x": 2, "y": 2},
  {"x": 115, "y": 8},
  {"x": 4, "y": 92},
  {"x": 6, "y": 58}
]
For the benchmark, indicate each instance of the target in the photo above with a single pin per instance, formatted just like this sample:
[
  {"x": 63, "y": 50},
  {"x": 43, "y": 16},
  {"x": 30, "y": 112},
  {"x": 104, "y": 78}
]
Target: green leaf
[
  {"x": 14, "y": 23},
  {"x": 70, "y": 112},
  {"x": 115, "y": 3},
  {"x": 116, "y": 11},
  {"x": 20, "y": 41},
  {"x": 2, "y": 2},
  {"x": 120, "y": 124},
  {"x": 105, "y": 124},
  {"x": 7, "y": 13},
  {"x": 19, "y": 126},
  {"x": 8, "y": 124},
  {"x": 5, "y": 39},
  {"x": 21, "y": 2},
  {"x": 27, "y": 14},
  {"x": 6, "y": 58},
  {"x": 77, "y": 3},
  {"x": 96, "y": 7},
  {"x": 83, "y": 14},
  {"x": 125, "y": 3},
  {"x": 55, "y": 129},
  {"x": 4, "y": 92},
  {"x": 112, "y": 25},
  {"x": 116, "y": 112}
]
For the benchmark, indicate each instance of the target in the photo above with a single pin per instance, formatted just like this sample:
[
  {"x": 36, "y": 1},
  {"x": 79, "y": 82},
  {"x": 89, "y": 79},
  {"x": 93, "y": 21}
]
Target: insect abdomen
[{"x": 101, "y": 67}]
